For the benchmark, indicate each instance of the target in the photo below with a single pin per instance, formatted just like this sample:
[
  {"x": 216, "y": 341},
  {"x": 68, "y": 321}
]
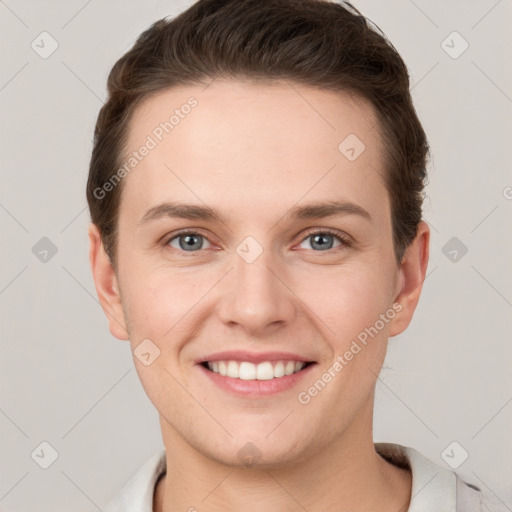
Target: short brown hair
[{"x": 313, "y": 42}]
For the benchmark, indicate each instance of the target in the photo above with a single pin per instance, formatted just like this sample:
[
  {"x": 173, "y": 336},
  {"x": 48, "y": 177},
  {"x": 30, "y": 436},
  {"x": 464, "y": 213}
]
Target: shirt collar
[{"x": 433, "y": 487}]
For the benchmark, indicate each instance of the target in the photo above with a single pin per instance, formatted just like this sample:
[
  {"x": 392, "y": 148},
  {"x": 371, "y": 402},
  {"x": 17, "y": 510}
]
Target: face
[{"x": 255, "y": 238}]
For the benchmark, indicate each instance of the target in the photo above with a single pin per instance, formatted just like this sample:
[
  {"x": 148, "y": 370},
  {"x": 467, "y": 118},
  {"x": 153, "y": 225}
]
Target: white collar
[{"x": 434, "y": 488}]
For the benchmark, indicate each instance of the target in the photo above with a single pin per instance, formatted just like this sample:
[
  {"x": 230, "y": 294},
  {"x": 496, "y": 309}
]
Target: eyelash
[{"x": 344, "y": 239}]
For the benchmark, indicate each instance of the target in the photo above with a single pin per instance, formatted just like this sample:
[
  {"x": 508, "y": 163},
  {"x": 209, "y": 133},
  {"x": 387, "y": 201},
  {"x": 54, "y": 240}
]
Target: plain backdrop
[{"x": 67, "y": 382}]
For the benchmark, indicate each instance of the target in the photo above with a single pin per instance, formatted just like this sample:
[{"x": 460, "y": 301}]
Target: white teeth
[
  {"x": 250, "y": 371},
  {"x": 232, "y": 369},
  {"x": 279, "y": 369},
  {"x": 247, "y": 371},
  {"x": 290, "y": 368},
  {"x": 264, "y": 371}
]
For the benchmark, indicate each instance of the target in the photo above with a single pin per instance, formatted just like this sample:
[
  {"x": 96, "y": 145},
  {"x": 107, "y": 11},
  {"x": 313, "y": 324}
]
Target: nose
[{"x": 256, "y": 296}]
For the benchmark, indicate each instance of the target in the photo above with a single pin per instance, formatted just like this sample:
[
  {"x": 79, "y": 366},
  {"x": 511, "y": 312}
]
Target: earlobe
[
  {"x": 107, "y": 288},
  {"x": 412, "y": 273}
]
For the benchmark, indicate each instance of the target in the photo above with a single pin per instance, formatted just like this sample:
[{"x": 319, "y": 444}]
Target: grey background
[{"x": 65, "y": 380}]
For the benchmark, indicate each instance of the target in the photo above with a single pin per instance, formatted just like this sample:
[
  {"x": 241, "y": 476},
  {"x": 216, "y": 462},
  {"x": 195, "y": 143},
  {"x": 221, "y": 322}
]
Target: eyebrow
[{"x": 319, "y": 210}]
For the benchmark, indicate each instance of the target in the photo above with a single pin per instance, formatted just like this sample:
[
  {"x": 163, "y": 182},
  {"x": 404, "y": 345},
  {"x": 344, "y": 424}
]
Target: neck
[{"x": 345, "y": 475}]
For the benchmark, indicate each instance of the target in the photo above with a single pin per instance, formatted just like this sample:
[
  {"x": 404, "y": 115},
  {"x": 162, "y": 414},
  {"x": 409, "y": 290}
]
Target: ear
[
  {"x": 107, "y": 288},
  {"x": 412, "y": 271}
]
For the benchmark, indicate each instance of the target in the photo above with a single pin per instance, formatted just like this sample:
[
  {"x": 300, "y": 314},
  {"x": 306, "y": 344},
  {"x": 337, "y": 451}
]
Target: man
[{"x": 255, "y": 191}]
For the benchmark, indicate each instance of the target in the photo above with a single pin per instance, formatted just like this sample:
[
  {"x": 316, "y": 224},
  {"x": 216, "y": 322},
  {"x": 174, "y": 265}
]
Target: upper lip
[{"x": 253, "y": 357}]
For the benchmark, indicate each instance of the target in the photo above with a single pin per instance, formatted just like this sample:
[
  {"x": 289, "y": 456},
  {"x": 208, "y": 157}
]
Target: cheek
[
  {"x": 346, "y": 300},
  {"x": 160, "y": 303}
]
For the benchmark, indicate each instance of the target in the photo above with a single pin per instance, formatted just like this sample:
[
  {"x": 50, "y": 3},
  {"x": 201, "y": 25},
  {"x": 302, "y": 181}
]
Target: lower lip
[{"x": 257, "y": 388}]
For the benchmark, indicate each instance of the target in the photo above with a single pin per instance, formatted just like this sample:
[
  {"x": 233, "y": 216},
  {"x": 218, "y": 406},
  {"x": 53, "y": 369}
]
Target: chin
[{"x": 258, "y": 452}]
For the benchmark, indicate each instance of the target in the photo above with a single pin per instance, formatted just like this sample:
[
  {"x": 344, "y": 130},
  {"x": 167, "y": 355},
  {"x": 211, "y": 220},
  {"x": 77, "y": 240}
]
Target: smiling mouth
[{"x": 245, "y": 370}]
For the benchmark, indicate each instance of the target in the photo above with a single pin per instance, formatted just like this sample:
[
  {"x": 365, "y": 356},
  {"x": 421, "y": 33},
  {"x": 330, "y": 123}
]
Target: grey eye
[
  {"x": 322, "y": 241},
  {"x": 188, "y": 242}
]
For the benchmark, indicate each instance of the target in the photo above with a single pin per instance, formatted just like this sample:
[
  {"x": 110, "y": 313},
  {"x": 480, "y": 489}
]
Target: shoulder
[
  {"x": 435, "y": 487},
  {"x": 471, "y": 498},
  {"x": 137, "y": 493}
]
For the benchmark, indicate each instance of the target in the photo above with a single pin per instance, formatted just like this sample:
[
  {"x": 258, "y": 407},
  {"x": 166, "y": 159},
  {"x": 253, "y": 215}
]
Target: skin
[{"x": 252, "y": 152}]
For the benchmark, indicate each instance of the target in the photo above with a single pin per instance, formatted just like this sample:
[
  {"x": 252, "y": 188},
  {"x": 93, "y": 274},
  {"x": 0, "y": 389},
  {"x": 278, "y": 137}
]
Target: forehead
[{"x": 253, "y": 144}]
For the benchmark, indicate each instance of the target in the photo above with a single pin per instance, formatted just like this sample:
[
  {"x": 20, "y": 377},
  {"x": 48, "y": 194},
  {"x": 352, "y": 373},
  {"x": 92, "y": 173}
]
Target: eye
[
  {"x": 323, "y": 240},
  {"x": 189, "y": 241}
]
